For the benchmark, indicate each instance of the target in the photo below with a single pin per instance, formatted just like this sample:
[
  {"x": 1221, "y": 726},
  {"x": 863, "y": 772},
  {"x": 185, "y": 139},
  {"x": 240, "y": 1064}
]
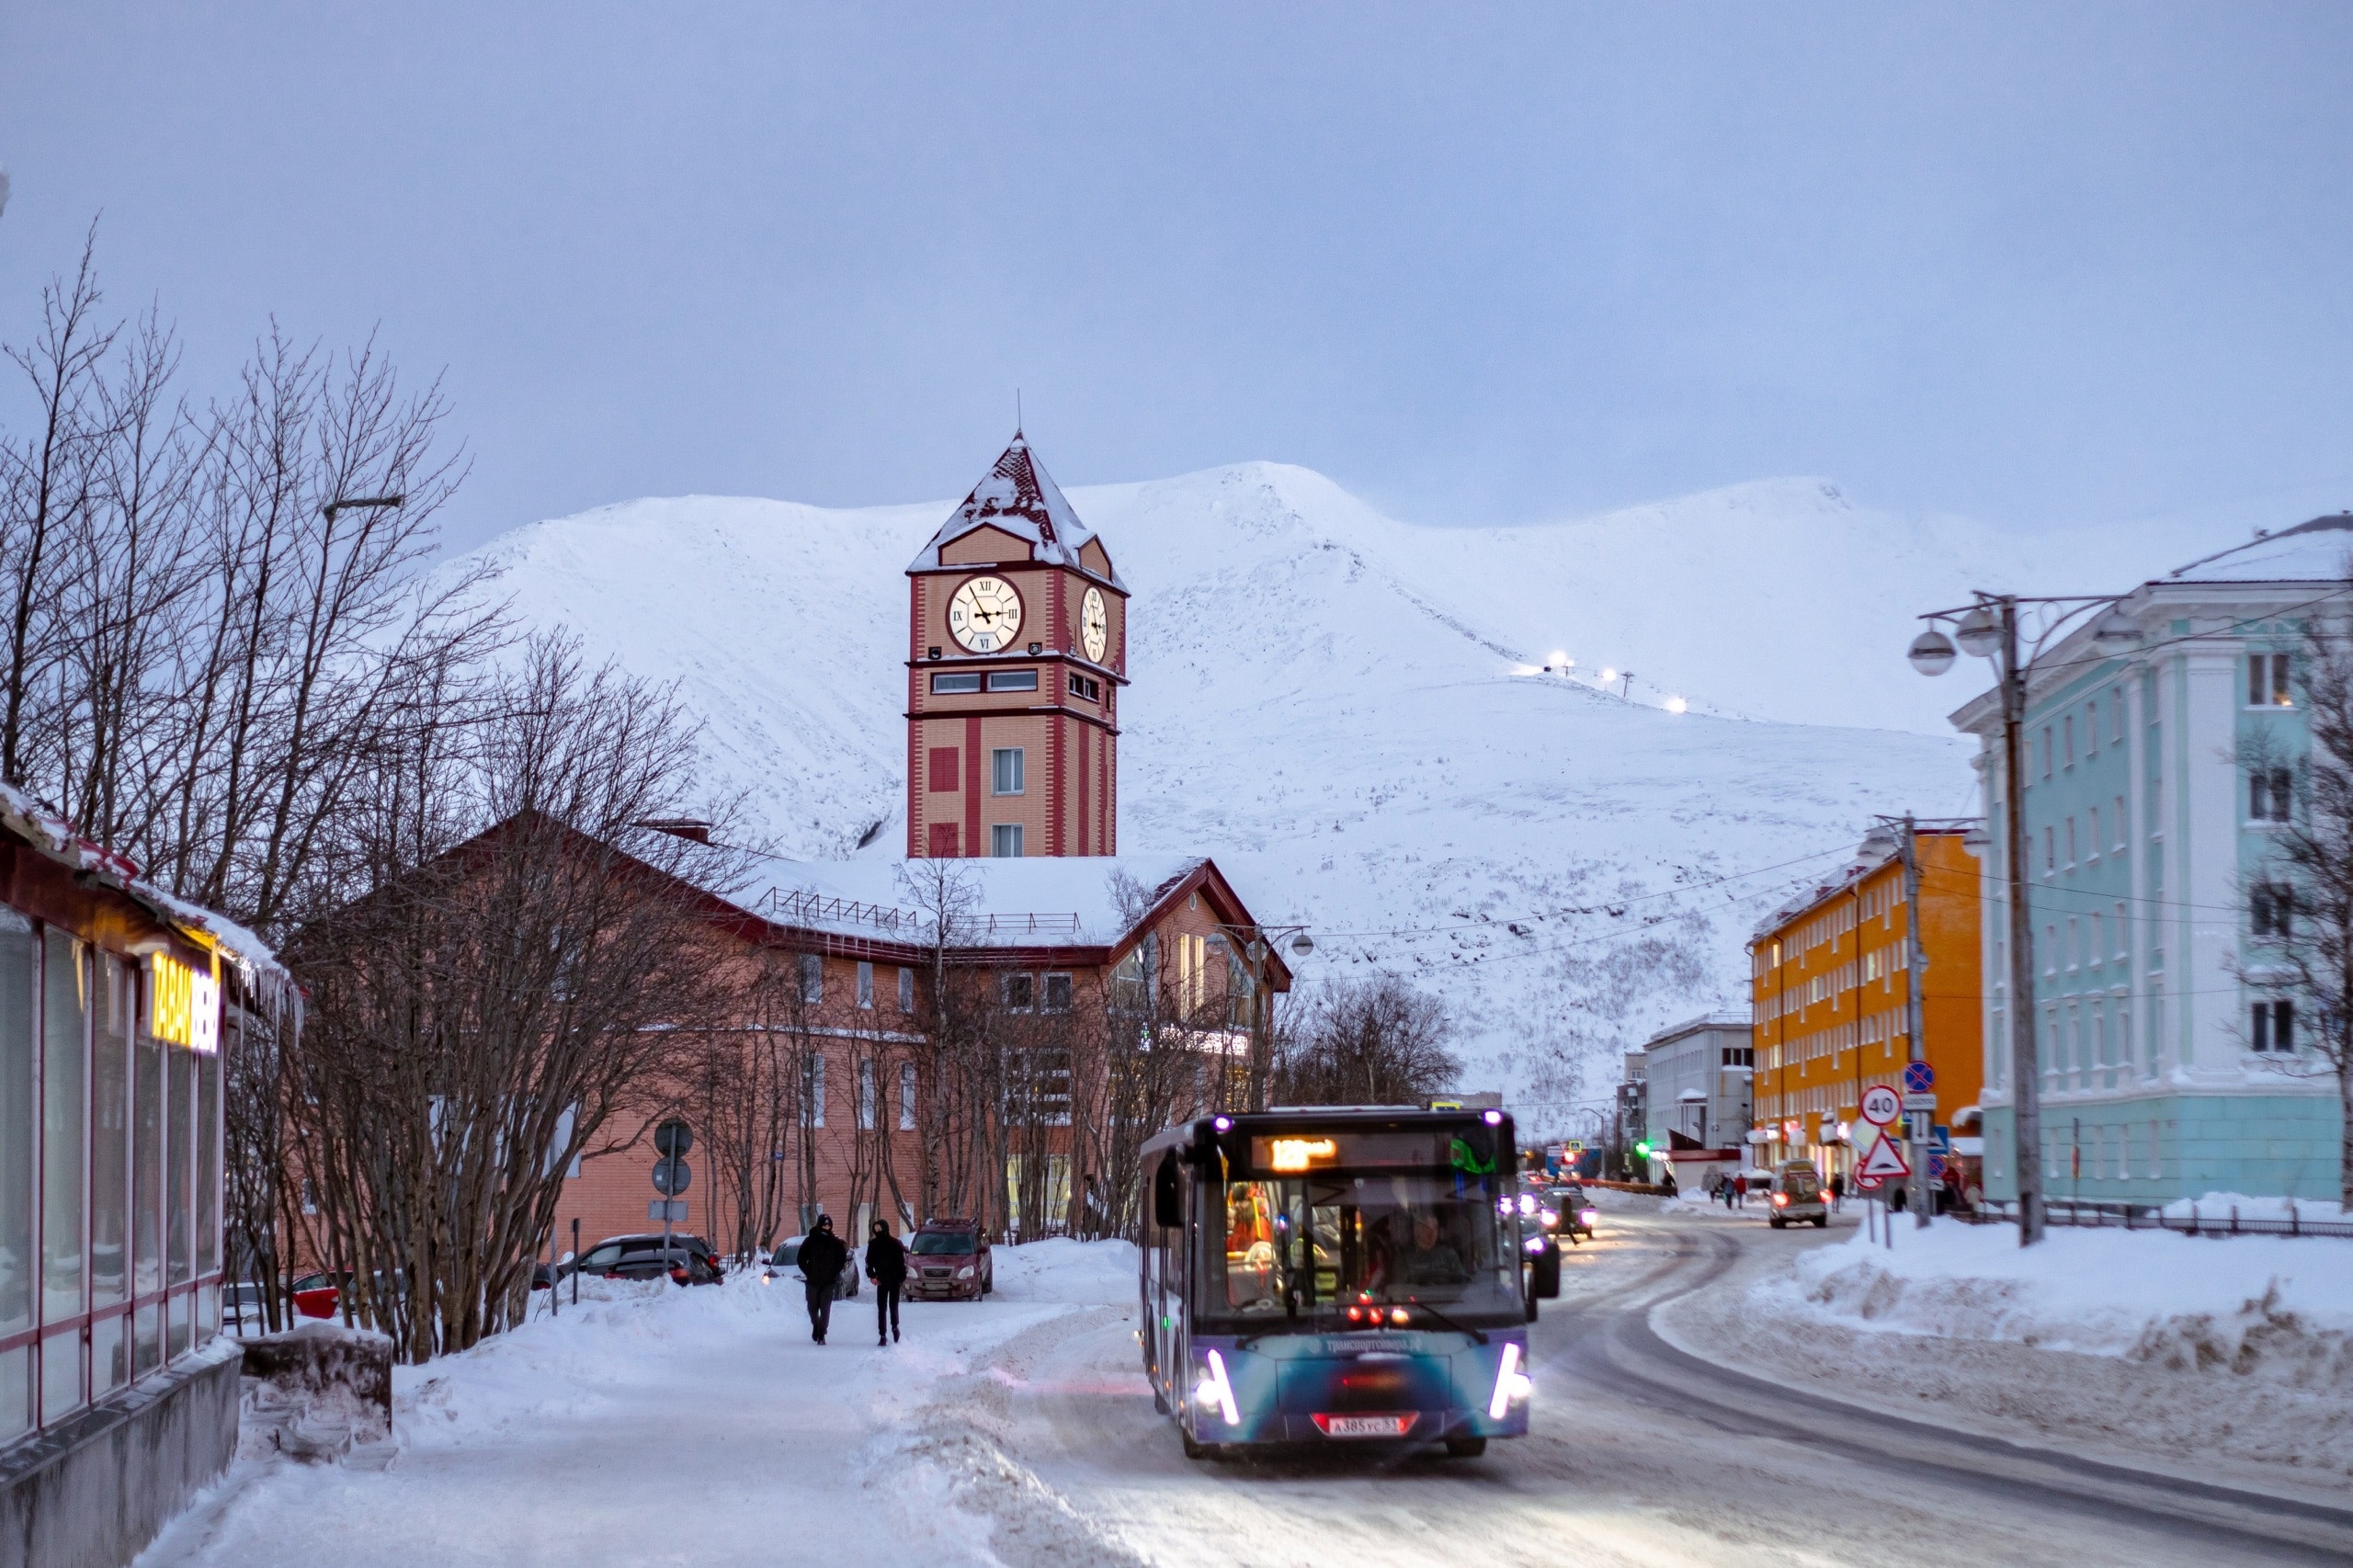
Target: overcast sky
[{"x": 2041, "y": 265}]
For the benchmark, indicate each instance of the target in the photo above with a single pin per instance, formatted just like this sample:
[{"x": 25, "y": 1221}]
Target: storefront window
[
  {"x": 208, "y": 1163},
  {"x": 147, "y": 1188},
  {"x": 16, "y": 965},
  {"x": 110, "y": 1170},
  {"x": 65, "y": 1122},
  {"x": 177, "y": 1120}
]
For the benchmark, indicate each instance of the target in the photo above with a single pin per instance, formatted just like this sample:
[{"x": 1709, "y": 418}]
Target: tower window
[
  {"x": 946, "y": 763},
  {"x": 943, "y": 685},
  {"x": 1005, "y": 841},
  {"x": 1006, "y": 771},
  {"x": 1013, "y": 680},
  {"x": 1087, "y": 687}
]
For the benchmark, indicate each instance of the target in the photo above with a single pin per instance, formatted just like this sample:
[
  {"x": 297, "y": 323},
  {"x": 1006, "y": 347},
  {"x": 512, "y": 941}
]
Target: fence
[{"x": 2227, "y": 1221}]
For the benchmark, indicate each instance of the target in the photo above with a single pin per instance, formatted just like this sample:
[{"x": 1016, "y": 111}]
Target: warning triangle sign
[{"x": 1884, "y": 1162}]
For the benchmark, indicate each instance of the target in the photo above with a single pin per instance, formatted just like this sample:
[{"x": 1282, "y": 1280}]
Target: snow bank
[
  {"x": 2218, "y": 1208},
  {"x": 2268, "y": 1307},
  {"x": 1084, "y": 1274}
]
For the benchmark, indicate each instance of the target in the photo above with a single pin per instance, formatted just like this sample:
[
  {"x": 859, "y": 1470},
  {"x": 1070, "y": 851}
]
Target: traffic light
[{"x": 1643, "y": 1149}]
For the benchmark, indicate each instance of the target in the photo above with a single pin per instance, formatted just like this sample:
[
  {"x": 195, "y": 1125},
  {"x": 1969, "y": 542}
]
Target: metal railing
[
  {"x": 799, "y": 904},
  {"x": 2225, "y": 1221}
]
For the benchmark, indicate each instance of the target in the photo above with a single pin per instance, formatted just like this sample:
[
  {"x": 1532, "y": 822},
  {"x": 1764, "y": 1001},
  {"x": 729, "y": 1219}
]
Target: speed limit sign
[{"x": 1882, "y": 1104}]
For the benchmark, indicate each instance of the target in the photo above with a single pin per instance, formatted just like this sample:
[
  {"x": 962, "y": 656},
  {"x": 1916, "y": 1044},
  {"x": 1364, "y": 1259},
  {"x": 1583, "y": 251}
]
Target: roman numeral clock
[{"x": 1018, "y": 653}]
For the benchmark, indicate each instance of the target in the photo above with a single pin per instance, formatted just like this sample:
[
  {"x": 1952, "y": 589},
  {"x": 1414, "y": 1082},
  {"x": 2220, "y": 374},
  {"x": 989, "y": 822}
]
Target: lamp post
[{"x": 1989, "y": 630}]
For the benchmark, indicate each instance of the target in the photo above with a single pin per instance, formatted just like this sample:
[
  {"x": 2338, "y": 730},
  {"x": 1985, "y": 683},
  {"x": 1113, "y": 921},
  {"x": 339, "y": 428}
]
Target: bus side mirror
[
  {"x": 1544, "y": 1281},
  {"x": 1167, "y": 1196}
]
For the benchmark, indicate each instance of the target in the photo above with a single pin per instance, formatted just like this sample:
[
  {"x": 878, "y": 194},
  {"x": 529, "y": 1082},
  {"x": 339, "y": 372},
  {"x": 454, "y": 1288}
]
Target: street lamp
[
  {"x": 1989, "y": 630},
  {"x": 359, "y": 504}
]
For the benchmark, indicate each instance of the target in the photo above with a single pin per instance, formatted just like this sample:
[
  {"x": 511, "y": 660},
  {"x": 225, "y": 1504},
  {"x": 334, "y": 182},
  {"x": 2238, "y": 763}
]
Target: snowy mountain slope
[{"x": 1327, "y": 702}]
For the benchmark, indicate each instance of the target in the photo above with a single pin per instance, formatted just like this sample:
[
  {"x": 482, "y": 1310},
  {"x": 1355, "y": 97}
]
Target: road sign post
[{"x": 671, "y": 1174}]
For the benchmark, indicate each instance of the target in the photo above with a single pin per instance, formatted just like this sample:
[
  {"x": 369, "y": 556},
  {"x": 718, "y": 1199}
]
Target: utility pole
[
  {"x": 1915, "y": 960},
  {"x": 2026, "y": 1073}
]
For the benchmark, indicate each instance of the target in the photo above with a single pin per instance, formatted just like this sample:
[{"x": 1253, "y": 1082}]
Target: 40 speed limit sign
[{"x": 1882, "y": 1104}]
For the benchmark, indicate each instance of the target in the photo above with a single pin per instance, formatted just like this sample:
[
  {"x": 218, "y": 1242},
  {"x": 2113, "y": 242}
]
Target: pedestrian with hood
[
  {"x": 823, "y": 1258},
  {"x": 886, "y": 1265}
]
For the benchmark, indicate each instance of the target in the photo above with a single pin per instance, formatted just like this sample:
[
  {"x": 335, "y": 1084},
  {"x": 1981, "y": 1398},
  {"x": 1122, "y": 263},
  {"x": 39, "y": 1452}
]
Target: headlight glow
[
  {"x": 1511, "y": 1383},
  {"x": 1216, "y": 1389}
]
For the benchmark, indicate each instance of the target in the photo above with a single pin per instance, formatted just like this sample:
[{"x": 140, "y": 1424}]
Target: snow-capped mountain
[{"x": 1351, "y": 715}]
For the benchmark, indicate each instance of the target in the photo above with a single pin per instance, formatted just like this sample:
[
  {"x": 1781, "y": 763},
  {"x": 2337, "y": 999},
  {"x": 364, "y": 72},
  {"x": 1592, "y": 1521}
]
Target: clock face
[
  {"x": 983, "y": 614},
  {"x": 1093, "y": 625}
]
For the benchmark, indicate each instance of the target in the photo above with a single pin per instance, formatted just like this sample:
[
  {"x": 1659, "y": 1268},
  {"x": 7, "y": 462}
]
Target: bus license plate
[{"x": 1366, "y": 1426}]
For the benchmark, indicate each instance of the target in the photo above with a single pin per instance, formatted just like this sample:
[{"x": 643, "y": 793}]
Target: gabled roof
[{"x": 1018, "y": 497}]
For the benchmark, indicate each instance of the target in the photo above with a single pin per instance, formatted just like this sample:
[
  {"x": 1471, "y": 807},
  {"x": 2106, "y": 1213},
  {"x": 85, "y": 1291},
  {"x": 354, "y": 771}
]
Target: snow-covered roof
[
  {"x": 55, "y": 837},
  {"x": 1035, "y": 901},
  {"x": 1018, "y": 497},
  {"x": 2315, "y": 551}
]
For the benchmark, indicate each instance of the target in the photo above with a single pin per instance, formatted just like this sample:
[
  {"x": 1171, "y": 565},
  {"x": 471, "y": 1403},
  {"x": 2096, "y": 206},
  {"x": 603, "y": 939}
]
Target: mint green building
[{"x": 2172, "y": 1058}]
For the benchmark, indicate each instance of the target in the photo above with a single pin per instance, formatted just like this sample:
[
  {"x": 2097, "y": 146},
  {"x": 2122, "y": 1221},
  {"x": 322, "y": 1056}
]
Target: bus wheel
[{"x": 1465, "y": 1448}]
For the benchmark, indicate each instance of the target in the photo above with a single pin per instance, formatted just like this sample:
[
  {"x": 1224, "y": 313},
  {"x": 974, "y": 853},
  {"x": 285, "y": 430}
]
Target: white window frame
[
  {"x": 866, "y": 985},
  {"x": 811, "y": 968},
  {"x": 906, "y": 990},
  {"x": 906, "y": 1097},
  {"x": 1007, "y": 841},
  {"x": 1009, "y": 770}
]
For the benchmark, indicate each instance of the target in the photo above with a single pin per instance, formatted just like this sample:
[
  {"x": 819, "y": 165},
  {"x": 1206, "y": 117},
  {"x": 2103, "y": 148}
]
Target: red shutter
[
  {"x": 943, "y": 839},
  {"x": 943, "y": 768}
]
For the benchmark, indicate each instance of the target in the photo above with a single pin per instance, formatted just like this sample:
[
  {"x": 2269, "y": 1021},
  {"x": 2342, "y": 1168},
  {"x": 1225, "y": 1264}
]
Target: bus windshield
[{"x": 1303, "y": 1247}]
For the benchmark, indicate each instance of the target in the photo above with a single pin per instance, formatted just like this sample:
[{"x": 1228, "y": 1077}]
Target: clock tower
[{"x": 1018, "y": 628}]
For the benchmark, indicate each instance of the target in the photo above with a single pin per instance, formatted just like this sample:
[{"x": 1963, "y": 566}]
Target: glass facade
[{"x": 110, "y": 1172}]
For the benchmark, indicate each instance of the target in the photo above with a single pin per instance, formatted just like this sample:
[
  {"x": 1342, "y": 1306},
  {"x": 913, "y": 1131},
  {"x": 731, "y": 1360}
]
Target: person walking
[
  {"x": 886, "y": 1265},
  {"x": 1739, "y": 1192},
  {"x": 823, "y": 1257},
  {"x": 1837, "y": 1190}
]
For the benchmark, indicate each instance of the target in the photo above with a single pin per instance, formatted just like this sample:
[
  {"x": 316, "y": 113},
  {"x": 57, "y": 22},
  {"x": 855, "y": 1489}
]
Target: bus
[{"x": 1340, "y": 1274}]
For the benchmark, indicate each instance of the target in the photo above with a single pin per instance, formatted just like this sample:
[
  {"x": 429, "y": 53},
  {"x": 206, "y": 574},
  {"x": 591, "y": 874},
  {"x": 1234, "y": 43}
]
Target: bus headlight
[
  {"x": 1217, "y": 1391},
  {"x": 1511, "y": 1384}
]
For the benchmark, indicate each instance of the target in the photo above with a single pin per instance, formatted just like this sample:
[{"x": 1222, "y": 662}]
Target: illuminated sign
[
  {"x": 1297, "y": 1154},
  {"x": 183, "y": 1006}
]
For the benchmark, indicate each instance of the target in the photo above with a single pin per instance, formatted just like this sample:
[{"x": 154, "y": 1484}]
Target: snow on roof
[
  {"x": 1018, "y": 496},
  {"x": 2315, "y": 551},
  {"x": 55, "y": 837},
  {"x": 1035, "y": 901}
]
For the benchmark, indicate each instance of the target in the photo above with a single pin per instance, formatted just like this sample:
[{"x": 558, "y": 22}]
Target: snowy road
[
  {"x": 703, "y": 1426},
  {"x": 1639, "y": 1454}
]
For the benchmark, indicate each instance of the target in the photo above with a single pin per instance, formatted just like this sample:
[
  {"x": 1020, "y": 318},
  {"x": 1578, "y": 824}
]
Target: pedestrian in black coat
[
  {"x": 823, "y": 1258},
  {"x": 886, "y": 1265}
]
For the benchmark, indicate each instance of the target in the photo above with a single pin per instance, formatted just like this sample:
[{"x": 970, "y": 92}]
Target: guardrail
[{"x": 2225, "y": 1222}]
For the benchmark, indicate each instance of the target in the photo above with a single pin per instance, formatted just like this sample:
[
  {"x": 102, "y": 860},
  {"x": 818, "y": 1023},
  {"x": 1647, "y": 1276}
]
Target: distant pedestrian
[
  {"x": 886, "y": 1265},
  {"x": 1837, "y": 1188},
  {"x": 1666, "y": 1182},
  {"x": 1739, "y": 1191},
  {"x": 823, "y": 1257}
]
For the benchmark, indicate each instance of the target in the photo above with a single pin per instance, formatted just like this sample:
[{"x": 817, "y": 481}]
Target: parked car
[
  {"x": 1796, "y": 1196},
  {"x": 319, "y": 1294},
  {"x": 241, "y": 1309},
  {"x": 785, "y": 1263},
  {"x": 688, "y": 1260},
  {"x": 949, "y": 1261}
]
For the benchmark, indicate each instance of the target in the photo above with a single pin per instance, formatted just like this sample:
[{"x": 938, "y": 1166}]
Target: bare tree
[{"x": 1368, "y": 1042}]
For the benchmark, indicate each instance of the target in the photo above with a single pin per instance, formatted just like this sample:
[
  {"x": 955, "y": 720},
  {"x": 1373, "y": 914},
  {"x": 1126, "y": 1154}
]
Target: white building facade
[
  {"x": 2155, "y": 785},
  {"x": 1696, "y": 1079}
]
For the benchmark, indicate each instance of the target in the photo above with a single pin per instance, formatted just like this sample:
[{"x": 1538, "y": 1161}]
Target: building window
[
  {"x": 2270, "y": 791},
  {"x": 906, "y": 990},
  {"x": 1058, "y": 993},
  {"x": 2275, "y": 1026},
  {"x": 948, "y": 685},
  {"x": 812, "y": 978},
  {"x": 2067, "y": 729},
  {"x": 2099, "y": 939},
  {"x": 906, "y": 1094},
  {"x": 947, "y": 771},
  {"x": 812, "y": 1088},
  {"x": 1007, "y": 771},
  {"x": 2094, "y": 850},
  {"x": 866, "y": 1094},
  {"x": 1019, "y": 992},
  {"x": 2071, "y": 844},
  {"x": 2267, "y": 681},
  {"x": 2091, "y": 728},
  {"x": 1013, "y": 680},
  {"x": 2116, "y": 716},
  {"x": 2073, "y": 937},
  {"x": 2046, "y": 751},
  {"x": 866, "y": 985},
  {"x": 2122, "y": 821},
  {"x": 2272, "y": 906},
  {"x": 1087, "y": 687},
  {"x": 1004, "y": 840},
  {"x": 2050, "y": 850}
]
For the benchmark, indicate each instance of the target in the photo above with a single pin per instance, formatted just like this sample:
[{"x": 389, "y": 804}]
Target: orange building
[{"x": 1831, "y": 995}]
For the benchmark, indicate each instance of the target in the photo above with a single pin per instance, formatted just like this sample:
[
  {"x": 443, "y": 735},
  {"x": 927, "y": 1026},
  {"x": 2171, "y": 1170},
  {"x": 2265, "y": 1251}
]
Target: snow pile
[
  {"x": 2272, "y": 1308},
  {"x": 2217, "y": 1208},
  {"x": 1087, "y": 1274}
]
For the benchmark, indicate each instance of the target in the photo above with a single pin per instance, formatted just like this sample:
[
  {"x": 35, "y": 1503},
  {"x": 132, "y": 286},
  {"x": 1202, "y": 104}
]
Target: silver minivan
[{"x": 1797, "y": 1195}]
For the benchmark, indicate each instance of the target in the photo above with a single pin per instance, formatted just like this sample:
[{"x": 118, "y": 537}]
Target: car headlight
[
  {"x": 965, "y": 1272},
  {"x": 1551, "y": 1220}
]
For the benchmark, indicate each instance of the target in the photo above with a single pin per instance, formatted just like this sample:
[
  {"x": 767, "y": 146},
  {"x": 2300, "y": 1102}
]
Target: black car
[{"x": 687, "y": 1259}]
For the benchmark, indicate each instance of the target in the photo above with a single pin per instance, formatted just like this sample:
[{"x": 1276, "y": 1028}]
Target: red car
[{"x": 948, "y": 1260}]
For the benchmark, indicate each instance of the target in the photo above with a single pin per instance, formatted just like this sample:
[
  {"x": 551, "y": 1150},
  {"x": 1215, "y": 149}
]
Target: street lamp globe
[
  {"x": 1302, "y": 944},
  {"x": 2116, "y": 633},
  {"x": 1931, "y": 653},
  {"x": 1979, "y": 632}
]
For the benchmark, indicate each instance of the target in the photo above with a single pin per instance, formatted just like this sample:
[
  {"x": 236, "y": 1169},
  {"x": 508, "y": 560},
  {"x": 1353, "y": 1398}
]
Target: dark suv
[
  {"x": 948, "y": 1260},
  {"x": 688, "y": 1260}
]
